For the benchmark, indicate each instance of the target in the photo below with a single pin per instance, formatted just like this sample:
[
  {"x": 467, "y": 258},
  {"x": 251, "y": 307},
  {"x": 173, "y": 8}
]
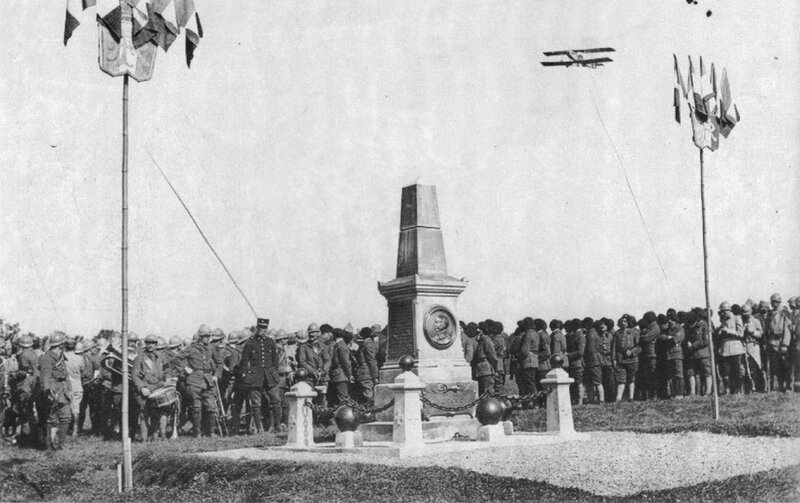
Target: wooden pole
[
  {"x": 127, "y": 468},
  {"x": 708, "y": 303}
]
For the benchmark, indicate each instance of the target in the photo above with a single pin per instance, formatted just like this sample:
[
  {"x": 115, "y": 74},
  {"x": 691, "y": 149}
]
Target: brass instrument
[{"x": 112, "y": 361}]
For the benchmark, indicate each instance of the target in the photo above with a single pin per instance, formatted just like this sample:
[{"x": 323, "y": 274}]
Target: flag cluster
[
  {"x": 157, "y": 22},
  {"x": 711, "y": 106}
]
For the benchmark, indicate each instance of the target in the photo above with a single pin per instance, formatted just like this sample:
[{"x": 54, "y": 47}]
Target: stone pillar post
[
  {"x": 407, "y": 410},
  {"x": 301, "y": 419},
  {"x": 559, "y": 404}
]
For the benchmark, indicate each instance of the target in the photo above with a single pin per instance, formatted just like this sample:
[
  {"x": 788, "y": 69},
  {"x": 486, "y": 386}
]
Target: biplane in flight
[{"x": 576, "y": 57}]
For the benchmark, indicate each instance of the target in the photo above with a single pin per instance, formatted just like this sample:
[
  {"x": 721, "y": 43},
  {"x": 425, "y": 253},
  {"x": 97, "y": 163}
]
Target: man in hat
[
  {"x": 752, "y": 337},
  {"x": 148, "y": 376},
  {"x": 697, "y": 354},
  {"x": 625, "y": 353},
  {"x": 259, "y": 373},
  {"x": 91, "y": 386},
  {"x": 524, "y": 351},
  {"x": 672, "y": 337},
  {"x": 647, "y": 358},
  {"x": 202, "y": 368},
  {"x": 484, "y": 361},
  {"x": 308, "y": 354},
  {"x": 55, "y": 394},
  {"x": 76, "y": 368},
  {"x": 23, "y": 387},
  {"x": 367, "y": 376},
  {"x": 341, "y": 372},
  {"x": 731, "y": 349},
  {"x": 285, "y": 372},
  {"x": 778, "y": 330}
]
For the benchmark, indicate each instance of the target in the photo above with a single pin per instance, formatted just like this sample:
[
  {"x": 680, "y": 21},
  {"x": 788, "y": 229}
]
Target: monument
[{"x": 423, "y": 320}]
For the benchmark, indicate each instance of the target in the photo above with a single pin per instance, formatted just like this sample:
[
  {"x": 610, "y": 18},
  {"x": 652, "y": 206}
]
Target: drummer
[{"x": 148, "y": 376}]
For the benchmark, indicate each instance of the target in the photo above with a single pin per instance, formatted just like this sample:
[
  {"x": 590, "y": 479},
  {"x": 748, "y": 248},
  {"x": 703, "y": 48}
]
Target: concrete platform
[{"x": 391, "y": 450}]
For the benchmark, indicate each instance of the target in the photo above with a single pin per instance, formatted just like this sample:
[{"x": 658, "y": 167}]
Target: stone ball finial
[
  {"x": 406, "y": 363},
  {"x": 489, "y": 411},
  {"x": 557, "y": 361},
  {"x": 346, "y": 419},
  {"x": 300, "y": 374}
]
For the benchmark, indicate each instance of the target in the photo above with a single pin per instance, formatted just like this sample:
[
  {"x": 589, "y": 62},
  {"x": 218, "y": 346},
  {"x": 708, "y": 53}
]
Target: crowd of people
[
  {"x": 215, "y": 384},
  {"x": 757, "y": 349},
  {"x": 51, "y": 387}
]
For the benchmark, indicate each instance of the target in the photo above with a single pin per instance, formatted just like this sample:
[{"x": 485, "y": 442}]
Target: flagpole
[
  {"x": 708, "y": 303},
  {"x": 127, "y": 469}
]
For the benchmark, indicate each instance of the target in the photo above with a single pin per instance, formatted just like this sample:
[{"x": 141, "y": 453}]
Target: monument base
[
  {"x": 447, "y": 384},
  {"x": 436, "y": 430}
]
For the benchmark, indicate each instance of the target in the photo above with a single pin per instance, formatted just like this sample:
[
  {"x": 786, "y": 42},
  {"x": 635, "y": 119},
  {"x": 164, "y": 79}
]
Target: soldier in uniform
[
  {"x": 500, "y": 341},
  {"x": 752, "y": 336},
  {"x": 308, "y": 355},
  {"x": 625, "y": 351},
  {"x": 731, "y": 349},
  {"x": 543, "y": 352},
  {"x": 778, "y": 328},
  {"x": 25, "y": 386},
  {"x": 259, "y": 372},
  {"x": 593, "y": 361},
  {"x": 341, "y": 370},
  {"x": 673, "y": 337},
  {"x": 148, "y": 376},
  {"x": 202, "y": 367},
  {"x": 647, "y": 358},
  {"x": 285, "y": 373},
  {"x": 55, "y": 394},
  {"x": 697, "y": 355},
  {"x": 524, "y": 352},
  {"x": 367, "y": 376},
  {"x": 558, "y": 340},
  {"x": 484, "y": 361},
  {"x": 76, "y": 370},
  {"x": 91, "y": 386}
]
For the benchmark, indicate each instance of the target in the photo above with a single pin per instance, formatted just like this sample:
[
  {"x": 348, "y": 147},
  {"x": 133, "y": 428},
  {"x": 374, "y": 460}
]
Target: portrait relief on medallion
[{"x": 440, "y": 328}]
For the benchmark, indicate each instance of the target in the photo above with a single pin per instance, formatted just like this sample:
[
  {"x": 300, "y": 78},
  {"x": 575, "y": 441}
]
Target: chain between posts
[{"x": 320, "y": 410}]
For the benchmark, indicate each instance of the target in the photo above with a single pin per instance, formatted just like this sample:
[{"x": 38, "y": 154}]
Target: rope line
[{"x": 202, "y": 234}]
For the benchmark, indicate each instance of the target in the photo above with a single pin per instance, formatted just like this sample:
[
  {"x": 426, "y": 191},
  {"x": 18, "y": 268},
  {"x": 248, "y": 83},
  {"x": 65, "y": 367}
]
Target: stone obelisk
[{"x": 423, "y": 320}]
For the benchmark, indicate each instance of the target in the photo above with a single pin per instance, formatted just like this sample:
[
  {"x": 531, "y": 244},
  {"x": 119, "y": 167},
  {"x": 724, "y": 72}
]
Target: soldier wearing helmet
[
  {"x": 285, "y": 375},
  {"x": 24, "y": 385},
  {"x": 148, "y": 376},
  {"x": 90, "y": 351},
  {"x": 309, "y": 356},
  {"x": 752, "y": 338},
  {"x": 778, "y": 331},
  {"x": 730, "y": 348},
  {"x": 55, "y": 394},
  {"x": 202, "y": 367}
]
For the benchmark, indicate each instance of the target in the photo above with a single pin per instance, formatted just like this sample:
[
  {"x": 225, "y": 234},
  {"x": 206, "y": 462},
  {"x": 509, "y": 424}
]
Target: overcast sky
[{"x": 293, "y": 133}]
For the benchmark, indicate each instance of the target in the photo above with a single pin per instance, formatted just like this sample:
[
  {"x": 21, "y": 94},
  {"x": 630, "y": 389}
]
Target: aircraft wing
[
  {"x": 594, "y": 61},
  {"x": 600, "y": 49},
  {"x": 556, "y": 53},
  {"x": 557, "y": 63}
]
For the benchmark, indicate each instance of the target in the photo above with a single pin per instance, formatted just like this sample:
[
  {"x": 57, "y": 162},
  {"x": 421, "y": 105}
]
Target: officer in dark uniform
[
  {"x": 259, "y": 372},
  {"x": 202, "y": 367},
  {"x": 341, "y": 373}
]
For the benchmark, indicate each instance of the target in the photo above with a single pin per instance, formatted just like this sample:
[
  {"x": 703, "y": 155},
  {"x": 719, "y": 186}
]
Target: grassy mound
[{"x": 774, "y": 415}]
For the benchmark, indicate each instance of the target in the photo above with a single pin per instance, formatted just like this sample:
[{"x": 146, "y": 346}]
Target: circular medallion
[{"x": 440, "y": 328}]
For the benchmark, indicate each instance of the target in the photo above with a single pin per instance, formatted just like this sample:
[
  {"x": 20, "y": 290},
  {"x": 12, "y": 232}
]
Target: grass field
[{"x": 86, "y": 470}]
